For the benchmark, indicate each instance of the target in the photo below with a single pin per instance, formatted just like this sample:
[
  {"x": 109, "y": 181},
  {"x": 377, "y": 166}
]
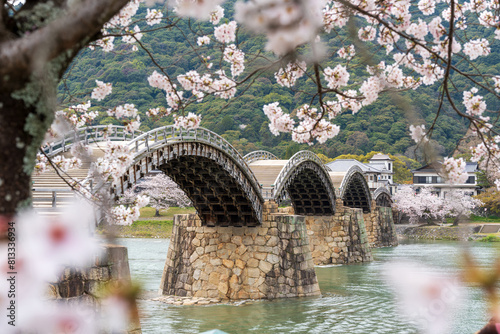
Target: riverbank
[
  {"x": 149, "y": 225},
  {"x": 142, "y": 229},
  {"x": 466, "y": 232}
]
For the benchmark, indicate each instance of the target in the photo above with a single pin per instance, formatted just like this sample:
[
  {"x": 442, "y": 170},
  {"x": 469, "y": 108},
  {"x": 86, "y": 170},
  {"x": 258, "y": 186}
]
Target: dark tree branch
[{"x": 72, "y": 30}]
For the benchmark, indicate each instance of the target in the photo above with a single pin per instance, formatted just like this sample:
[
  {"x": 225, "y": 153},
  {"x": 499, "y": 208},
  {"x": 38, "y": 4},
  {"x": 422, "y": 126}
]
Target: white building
[
  {"x": 429, "y": 176},
  {"x": 378, "y": 171}
]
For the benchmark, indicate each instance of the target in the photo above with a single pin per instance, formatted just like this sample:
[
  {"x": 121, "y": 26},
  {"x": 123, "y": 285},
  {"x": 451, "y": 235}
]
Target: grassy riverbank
[{"x": 150, "y": 226}]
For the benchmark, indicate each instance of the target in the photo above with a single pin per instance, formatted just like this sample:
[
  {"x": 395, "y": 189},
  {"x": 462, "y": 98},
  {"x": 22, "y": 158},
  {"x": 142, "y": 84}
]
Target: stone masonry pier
[
  {"x": 380, "y": 227},
  {"x": 339, "y": 239},
  {"x": 270, "y": 261},
  {"x": 274, "y": 260}
]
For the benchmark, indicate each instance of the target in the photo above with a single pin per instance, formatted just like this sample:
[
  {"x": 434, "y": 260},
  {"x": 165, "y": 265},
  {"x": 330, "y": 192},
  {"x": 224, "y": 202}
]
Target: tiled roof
[{"x": 470, "y": 167}]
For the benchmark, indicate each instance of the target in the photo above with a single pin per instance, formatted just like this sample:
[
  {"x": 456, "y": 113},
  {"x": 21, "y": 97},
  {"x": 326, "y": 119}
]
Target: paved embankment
[{"x": 424, "y": 232}]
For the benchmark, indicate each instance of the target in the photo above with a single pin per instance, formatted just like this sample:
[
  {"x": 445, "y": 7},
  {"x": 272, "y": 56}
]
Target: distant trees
[{"x": 425, "y": 205}]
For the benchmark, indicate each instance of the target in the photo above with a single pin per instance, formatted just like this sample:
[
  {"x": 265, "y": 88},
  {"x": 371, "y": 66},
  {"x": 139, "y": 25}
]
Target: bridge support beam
[
  {"x": 380, "y": 227},
  {"x": 270, "y": 261}
]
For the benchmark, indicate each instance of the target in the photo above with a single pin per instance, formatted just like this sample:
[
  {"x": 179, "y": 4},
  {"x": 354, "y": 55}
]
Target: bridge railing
[
  {"x": 158, "y": 137},
  {"x": 89, "y": 135},
  {"x": 259, "y": 155}
]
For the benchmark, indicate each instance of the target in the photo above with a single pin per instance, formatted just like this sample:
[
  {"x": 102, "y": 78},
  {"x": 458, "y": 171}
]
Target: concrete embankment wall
[
  {"x": 270, "y": 261},
  {"x": 423, "y": 232},
  {"x": 84, "y": 285}
]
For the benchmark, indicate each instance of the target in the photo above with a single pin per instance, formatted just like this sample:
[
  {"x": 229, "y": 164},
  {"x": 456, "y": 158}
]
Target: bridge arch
[
  {"x": 259, "y": 155},
  {"x": 354, "y": 190},
  {"x": 306, "y": 181},
  {"x": 206, "y": 167},
  {"x": 382, "y": 197}
]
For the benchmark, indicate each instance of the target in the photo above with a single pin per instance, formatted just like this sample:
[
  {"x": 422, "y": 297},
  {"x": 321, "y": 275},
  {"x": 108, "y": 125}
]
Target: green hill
[{"x": 381, "y": 126}]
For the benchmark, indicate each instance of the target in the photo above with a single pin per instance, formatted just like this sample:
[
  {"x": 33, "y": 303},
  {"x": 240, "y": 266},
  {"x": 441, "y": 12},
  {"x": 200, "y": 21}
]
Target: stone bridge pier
[
  {"x": 339, "y": 239},
  {"x": 270, "y": 261},
  {"x": 380, "y": 227}
]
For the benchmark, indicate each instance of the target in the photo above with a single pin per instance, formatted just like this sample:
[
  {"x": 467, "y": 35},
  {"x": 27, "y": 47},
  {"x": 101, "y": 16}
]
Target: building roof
[
  {"x": 343, "y": 165},
  {"x": 380, "y": 156},
  {"x": 470, "y": 167}
]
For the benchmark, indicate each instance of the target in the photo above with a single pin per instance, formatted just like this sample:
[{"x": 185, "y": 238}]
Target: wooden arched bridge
[{"x": 226, "y": 188}]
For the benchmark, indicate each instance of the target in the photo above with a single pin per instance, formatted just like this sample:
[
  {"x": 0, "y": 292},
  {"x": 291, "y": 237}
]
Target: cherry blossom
[
  {"x": 476, "y": 48},
  {"x": 161, "y": 191},
  {"x": 127, "y": 110},
  {"x": 348, "y": 52},
  {"x": 216, "y": 15},
  {"x": 102, "y": 90},
  {"x": 158, "y": 80},
  {"x": 425, "y": 295},
  {"x": 454, "y": 170},
  {"x": 200, "y": 9},
  {"x": 203, "y": 40},
  {"x": 338, "y": 77},
  {"x": 418, "y": 133},
  {"x": 191, "y": 121},
  {"x": 288, "y": 76},
  {"x": 237, "y": 59},
  {"x": 153, "y": 17},
  {"x": 126, "y": 215},
  {"x": 474, "y": 104},
  {"x": 226, "y": 33},
  {"x": 287, "y": 24}
]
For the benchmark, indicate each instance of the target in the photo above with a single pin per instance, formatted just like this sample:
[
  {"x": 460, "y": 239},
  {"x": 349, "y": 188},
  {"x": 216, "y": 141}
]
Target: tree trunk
[
  {"x": 457, "y": 220},
  {"x": 15, "y": 176},
  {"x": 157, "y": 213},
  {"x": 31, "y": 65}
]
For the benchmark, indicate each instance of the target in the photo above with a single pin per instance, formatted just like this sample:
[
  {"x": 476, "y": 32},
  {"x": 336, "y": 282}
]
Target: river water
[{"x": 355, "y": 298}]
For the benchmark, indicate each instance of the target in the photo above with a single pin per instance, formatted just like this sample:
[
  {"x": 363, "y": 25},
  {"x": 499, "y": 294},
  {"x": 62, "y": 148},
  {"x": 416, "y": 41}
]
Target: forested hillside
[{"x": 381, "y": 126}]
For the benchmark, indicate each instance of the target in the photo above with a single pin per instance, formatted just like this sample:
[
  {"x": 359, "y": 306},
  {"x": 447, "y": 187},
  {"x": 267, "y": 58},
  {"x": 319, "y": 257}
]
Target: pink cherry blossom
[
  {"x": 102, "y": 90},
  {"x": 226, "y": 33}
]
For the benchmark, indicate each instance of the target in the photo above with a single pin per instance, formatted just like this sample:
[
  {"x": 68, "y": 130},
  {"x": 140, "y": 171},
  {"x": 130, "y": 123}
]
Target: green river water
[{"x": 355, "y": 298}]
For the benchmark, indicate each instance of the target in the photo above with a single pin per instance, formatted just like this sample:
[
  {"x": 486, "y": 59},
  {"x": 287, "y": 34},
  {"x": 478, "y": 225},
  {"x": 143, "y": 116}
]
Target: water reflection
[{"x": 355, "y": 298}]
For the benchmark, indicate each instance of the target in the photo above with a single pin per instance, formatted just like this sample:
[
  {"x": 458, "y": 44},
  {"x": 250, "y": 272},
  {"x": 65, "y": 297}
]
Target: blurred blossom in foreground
[
  {"x": 44, "y": 248},
  {"x": 424, "y": 296}
]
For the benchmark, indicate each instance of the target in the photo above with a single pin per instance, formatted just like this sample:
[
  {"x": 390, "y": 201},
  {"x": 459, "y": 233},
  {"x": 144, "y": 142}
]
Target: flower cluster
[
  {"x": 49, "y": 246},
  {"x": 101, "y": 91},
  {"x": 476, "y": 48},
  {"x": 338, "y": 77},
  {"x": 287, "y": 24},
  {"x": 474, "y": 104},
  {"x": 191, "y": 121},
  {"x": 418, "y": 133},
  {"x": 347, "y": 53},
  {"x": 80, "y": 114},
  {"x": 203, "y": 40},
  {"x": 226, "y": 33},
  {"x": 454, "y": 170},
  {"x": 153, "y": 17},
  {"x": 288, "y": 76},
  {"x": 126, "y": 215},
  {"x": 201, "y": 9},
  {"x": 127, "y": 110},
  {"x": 236, "y": 58},
  {"x": 115, "y": 162},
  {"x": 216, "y": 15}
]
